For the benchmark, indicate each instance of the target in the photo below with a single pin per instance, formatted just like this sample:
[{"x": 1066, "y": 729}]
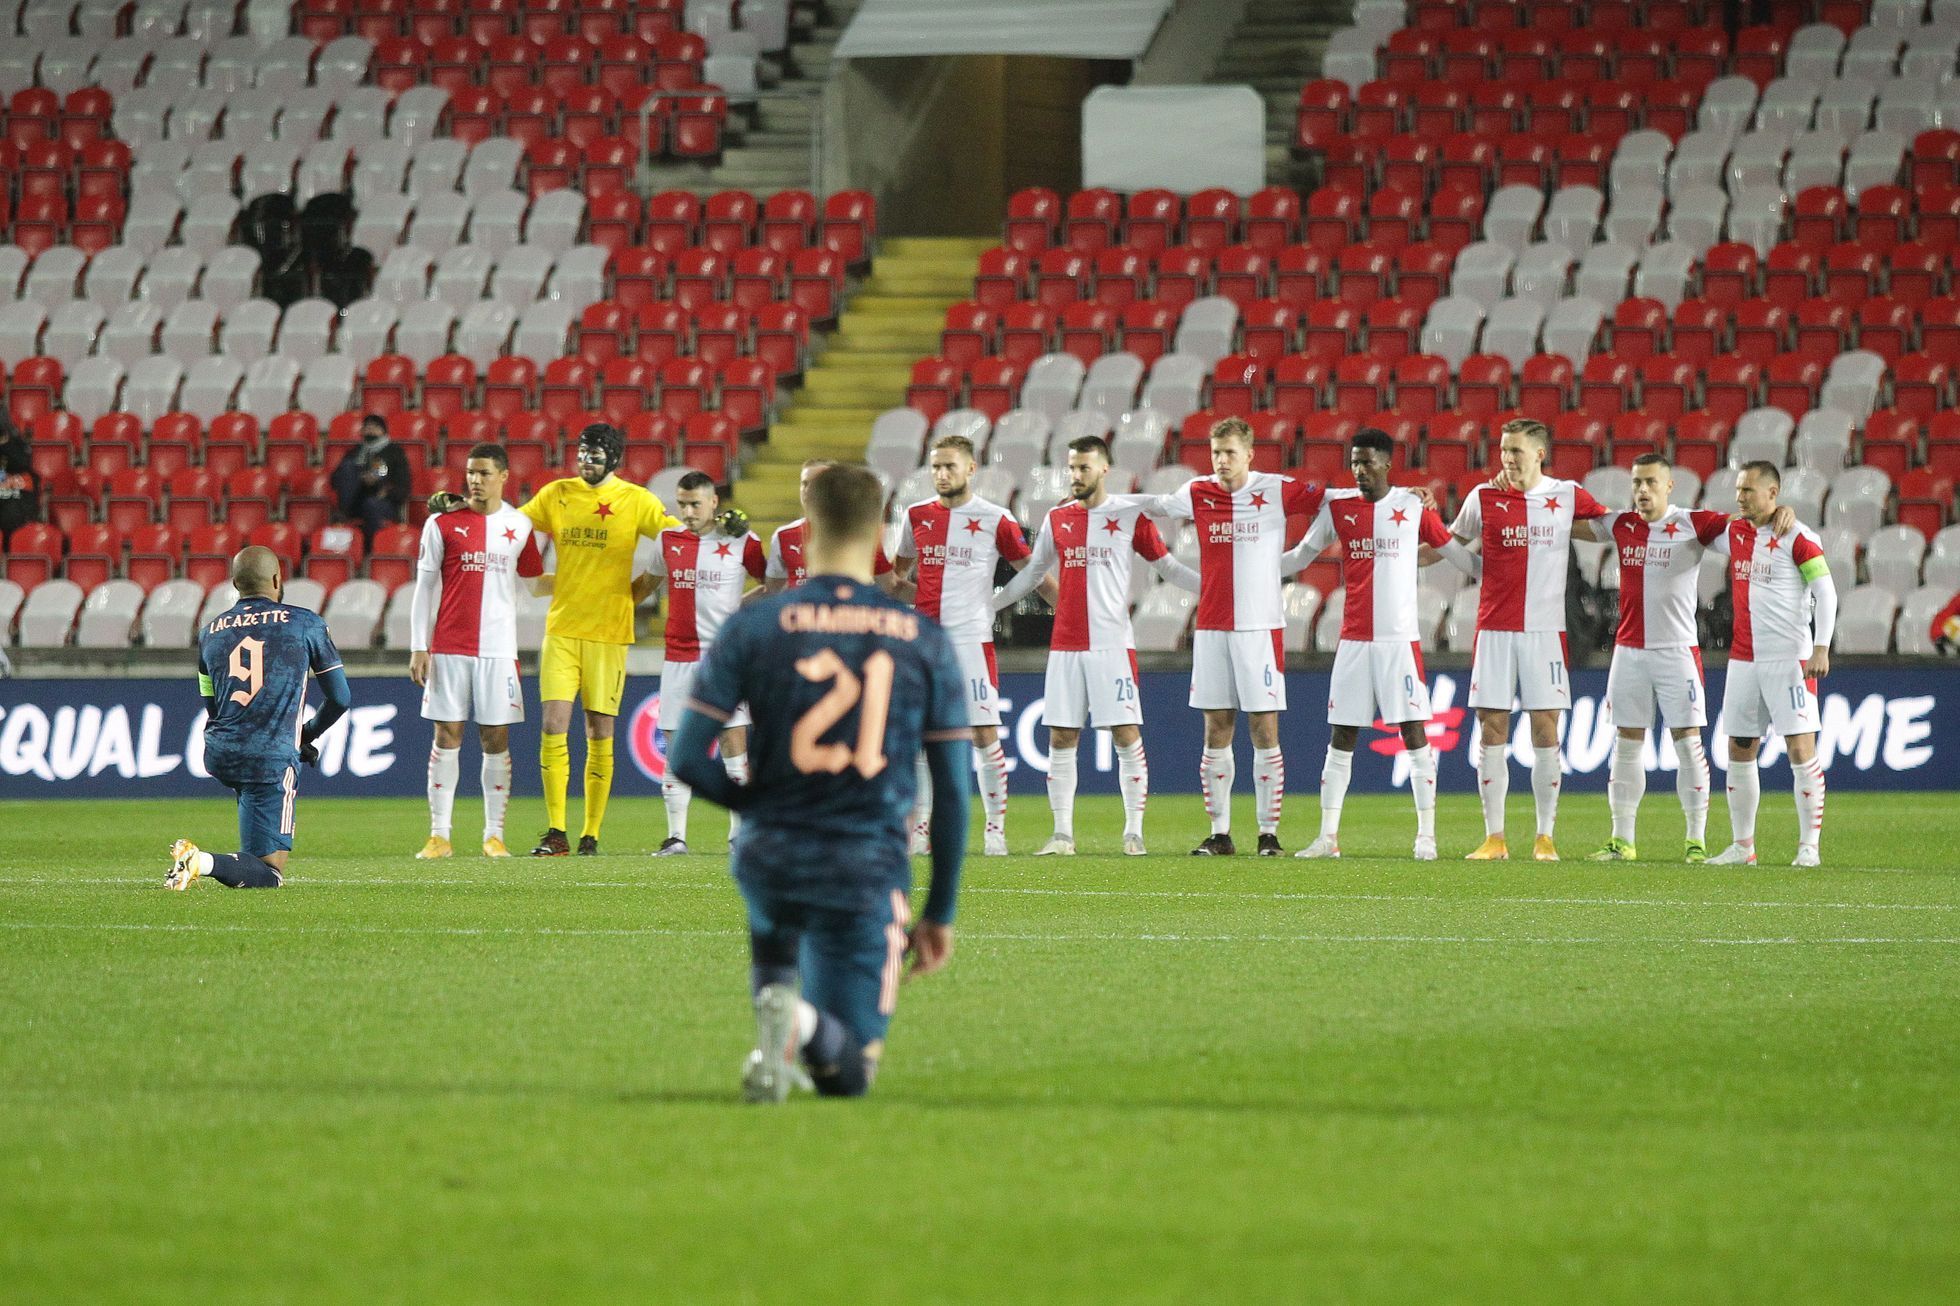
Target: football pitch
[{"x": 1142, "y": 1080}]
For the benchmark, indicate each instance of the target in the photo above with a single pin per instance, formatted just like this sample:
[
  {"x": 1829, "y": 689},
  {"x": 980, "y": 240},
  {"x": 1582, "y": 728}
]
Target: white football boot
[
  {"x": 1056, "y": 847},
  {"x": 1806, "y": 856},
  {"x": 771, "y": 1067},
  {"x": 1425, "y": 848},
  {"x": 1736, "y": 854},
  {"x": 1325, "y": 846}
]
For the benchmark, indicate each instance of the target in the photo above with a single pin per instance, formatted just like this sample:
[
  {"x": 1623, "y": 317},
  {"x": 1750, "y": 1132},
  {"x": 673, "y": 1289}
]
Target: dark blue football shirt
[
  {"x": 845, "y": 685},
  {"x": 255, "y": 659}
]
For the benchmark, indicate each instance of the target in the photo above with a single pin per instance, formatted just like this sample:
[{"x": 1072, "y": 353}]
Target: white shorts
[
  {"x": 677, "y": 686},
  {"x": 1097, "y": 688},
  {"x": 1243, "y": 669},
  {"x": 1527, "y": 668},
  {"x": 1763, "y": 694},
  {"x": 1377, "y": 680},
  {"x": 1670, "y": 678},
  {"x": 982, "y": 677},
  {"x": 465, "y": 688}
]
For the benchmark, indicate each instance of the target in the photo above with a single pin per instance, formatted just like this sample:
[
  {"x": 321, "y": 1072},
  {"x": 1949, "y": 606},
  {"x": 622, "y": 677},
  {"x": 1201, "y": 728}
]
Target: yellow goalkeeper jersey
[{"x": 595, "y": 528}]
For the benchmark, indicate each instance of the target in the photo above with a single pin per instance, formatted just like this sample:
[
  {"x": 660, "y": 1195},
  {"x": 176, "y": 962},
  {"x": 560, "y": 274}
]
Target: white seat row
[{"x": 494, "y": 221}]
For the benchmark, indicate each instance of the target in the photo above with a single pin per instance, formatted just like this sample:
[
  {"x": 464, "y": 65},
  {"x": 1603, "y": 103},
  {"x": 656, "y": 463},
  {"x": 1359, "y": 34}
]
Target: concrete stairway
[
  {"x": 891, "y": 321},
  {"x": 774, "y": 152},
  {"x": 1276, "y": 50}
]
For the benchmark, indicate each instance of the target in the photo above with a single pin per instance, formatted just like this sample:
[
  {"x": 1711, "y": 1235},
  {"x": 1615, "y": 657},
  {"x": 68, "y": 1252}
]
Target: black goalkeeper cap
[{"x": 607, "y": 439}]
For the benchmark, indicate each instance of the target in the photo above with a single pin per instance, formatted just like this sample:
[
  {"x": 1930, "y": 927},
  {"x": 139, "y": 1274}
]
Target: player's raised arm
[
  {"x": 1319, "y": 535},
  {"x": 1150, "y": 546},
  {"x": 426, "y": 601},
  {"x": 1437, "y": 542},
  {"x": 1033, "y": 570},
  {"x": 1816, "y": 572}
]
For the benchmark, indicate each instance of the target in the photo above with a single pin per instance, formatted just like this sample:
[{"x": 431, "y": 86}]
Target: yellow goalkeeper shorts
[{"x": 586, "y": 669}]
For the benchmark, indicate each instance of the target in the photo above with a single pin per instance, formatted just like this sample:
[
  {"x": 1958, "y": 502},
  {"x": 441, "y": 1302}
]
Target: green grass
[{"x": 1155, "y": 1080}]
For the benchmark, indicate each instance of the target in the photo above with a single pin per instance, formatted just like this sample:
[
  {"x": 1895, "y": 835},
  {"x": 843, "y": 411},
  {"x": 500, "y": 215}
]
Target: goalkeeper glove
[
  {"x": 309, "y": 751},
  {"x": 443, "y": 501},
  {"x": 733, "y": 521}
]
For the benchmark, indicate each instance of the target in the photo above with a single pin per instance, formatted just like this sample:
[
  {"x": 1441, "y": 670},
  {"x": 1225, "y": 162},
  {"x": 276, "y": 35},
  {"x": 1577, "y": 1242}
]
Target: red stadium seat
[
  {"x": 1090, "y": 219},
  {"x": 1087, "y": 330},
  {"x": 850, "y": 226},
  {"x": 1545, "y": 386},
  {"x": 661, "y": 332},
  {"x": 781, "y": 336},
  {"x": 1148, "y": 328},
  {"x": 1792, "y": 383},
  {"x": 1730, "y": 388},
  {"x": 1061, "y": 276},
  {"x": 1483, "y": 385},
  {"x": 816, "y": 282},
  {"x": 1701, "y": 442},
  {"x": 685, "y": 387},
  {"x": 1034, "y": 218},
  {"x": 1122, "y": 276},
  {"x": 333, "y": 553}
]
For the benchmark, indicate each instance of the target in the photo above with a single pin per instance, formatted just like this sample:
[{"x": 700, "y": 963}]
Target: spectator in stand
[
  {"x": 1946, "y": 629},
  {"x": 371, "y": 483},
  {"x": 20, "y": 484}
]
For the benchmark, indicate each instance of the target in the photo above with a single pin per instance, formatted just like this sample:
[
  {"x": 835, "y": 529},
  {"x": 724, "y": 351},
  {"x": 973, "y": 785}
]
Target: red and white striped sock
[
  {"x": 1807, "y": 781},
  {"x": 495, "y": 774},
  {"x": 1269, "y": 787},
  {"x": 991, "y": 763},
  {"x": 1133, "y": 777},
  {"x": 1215, "y": 775},
  {"x": 445, "y": 766}
]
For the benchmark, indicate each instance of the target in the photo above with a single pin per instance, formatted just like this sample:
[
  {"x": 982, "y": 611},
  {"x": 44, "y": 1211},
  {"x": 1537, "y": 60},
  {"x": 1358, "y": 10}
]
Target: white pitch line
[
  {"x": 1208, "y": 895},
  {"x": 545, "y": 931}
]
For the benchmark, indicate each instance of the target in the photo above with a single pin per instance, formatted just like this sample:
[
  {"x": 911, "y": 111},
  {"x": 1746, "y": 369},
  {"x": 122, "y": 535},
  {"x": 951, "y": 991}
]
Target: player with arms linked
[
  {"x": 596, "y": 520},
  {"x": 253, "y": 661},
  {"x": 846, "y": 688}
]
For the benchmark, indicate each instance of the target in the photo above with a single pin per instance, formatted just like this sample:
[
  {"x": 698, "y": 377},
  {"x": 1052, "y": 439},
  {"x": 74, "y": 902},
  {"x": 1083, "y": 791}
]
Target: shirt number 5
[{"x": 872, "y": 695}]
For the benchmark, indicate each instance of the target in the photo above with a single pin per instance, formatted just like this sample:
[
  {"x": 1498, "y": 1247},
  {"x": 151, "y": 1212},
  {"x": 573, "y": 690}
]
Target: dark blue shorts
[
  {"x": 849, "y": 961},
  {"x": 265, "y": 815}
]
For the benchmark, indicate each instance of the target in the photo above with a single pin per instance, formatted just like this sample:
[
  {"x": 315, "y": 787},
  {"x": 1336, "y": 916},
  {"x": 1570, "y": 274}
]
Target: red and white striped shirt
[
  {"x": 1379, "y": 546},
  {"x": 705, "y": 575},
  {"x": 1769, "y": 583},
  {"x": 786, "y": 556},
  {"x": 958, "y": 550},
  {"x": 1527, "y": 539},
  {"x": 1094, "y": 551},
  {"x": 1241, "y": 535},
  {"x": 471, "y": 559},
  {"x": 1660, "y": 564}
]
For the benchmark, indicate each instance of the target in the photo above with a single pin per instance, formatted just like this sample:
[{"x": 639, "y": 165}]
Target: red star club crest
[
  {"x": 1400, "y": 517},
  {"x": 1258, "y": 499},
  {"x": 604, "y": 510},
  {"x": 1672, "y": 529},
  {"x": 1551, "y": 505},
  {"x": 723, "y": 551},
  {"x": 1112, "y": 527},
  {"x": 510, "y": 534},
  {"x": 973, "y": 526}
]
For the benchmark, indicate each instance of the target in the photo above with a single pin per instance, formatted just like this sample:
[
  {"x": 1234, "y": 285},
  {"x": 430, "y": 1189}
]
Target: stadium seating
[{"x": 173, "y": 389}]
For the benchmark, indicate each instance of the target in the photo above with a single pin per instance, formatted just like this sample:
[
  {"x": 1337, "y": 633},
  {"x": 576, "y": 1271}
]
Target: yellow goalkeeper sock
[
  {"x": 555, "y": 767},
  {"x": 598, "y": 784}
]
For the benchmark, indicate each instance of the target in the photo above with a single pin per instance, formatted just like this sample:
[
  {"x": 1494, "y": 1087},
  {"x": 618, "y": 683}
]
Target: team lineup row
[{"x": 1512, "y": 534}]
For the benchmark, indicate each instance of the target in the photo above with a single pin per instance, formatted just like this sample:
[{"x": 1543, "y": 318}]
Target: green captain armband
[
  {"x": 204, "y": 686},
  {"x": 1811, "y": 570}
]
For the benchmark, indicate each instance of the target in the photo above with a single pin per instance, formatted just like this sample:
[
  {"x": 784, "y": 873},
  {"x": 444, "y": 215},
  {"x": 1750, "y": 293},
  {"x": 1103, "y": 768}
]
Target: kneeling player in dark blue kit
[
  {"x": 845, "y": 687},
  {"x": 253, "y": 661}
]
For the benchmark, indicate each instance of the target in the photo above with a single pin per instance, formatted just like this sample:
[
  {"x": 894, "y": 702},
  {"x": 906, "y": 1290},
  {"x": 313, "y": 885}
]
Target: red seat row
[
  {"x": 43, "y": 221},
  {"x": 776, "y": 334},
  {"x": 731, "y": 221},
  {"x": 1432, "y": 110},
  {"x": 1700, "y": 329},
  {"x": 559, "y": 63},
  {"x": 36, "y": 114},
  {"x": 153, "y": 553},
  {"x": 430, "y": 20},
  {"x": 812, "y": 278}
]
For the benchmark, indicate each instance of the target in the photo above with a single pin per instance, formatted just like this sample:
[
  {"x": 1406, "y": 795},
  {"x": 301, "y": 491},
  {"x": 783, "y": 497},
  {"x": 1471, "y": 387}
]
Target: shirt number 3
[{"x": 872, "y": 695}]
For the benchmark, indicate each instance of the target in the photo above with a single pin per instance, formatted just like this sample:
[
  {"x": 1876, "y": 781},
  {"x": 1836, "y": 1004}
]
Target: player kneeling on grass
[
  {"x": 1383, "y": 535},
  {"x": 847, "y": 687},
  {"x": 253, "y": 661},
  {"x": 463, "y": 638}
]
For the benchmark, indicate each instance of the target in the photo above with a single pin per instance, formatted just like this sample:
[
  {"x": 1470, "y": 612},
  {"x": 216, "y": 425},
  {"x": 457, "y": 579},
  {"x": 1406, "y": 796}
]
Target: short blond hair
[
  {"x": 1232, "y": 428},
  {"x": 958, "y": 442},
  {"x": 1530, "y": 428}
]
